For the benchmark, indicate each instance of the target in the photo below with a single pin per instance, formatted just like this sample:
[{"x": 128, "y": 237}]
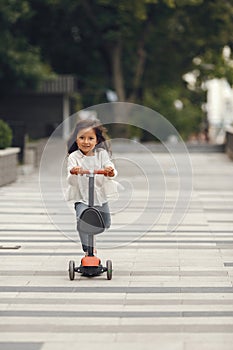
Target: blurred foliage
[
  {"x": 5, "y": 135},
  {"x": 21, "y": 64},
  {"x": 140, "y": 49},
  {"x": 188, "y": 119}
]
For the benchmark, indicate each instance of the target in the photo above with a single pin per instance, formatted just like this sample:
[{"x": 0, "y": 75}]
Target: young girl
[{"x": 88, "y": 149}]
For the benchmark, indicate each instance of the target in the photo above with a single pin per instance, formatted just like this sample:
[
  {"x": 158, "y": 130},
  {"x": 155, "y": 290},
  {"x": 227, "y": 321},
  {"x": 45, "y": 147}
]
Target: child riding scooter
[{"x": 88, "y": 149}]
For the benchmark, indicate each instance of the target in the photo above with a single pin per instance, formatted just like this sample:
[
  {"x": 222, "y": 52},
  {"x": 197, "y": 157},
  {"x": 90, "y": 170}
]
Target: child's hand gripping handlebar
[{"x": 108, "y": 171}]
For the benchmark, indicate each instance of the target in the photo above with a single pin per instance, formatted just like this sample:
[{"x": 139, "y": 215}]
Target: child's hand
[
  {"x": 109, "y": 171},
  {"x": 76, "y": 170}
]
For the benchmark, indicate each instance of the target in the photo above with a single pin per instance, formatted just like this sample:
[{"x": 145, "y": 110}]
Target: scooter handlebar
[
  {"x": 96, "y": 172},
  {"x": 86, "y": 172}
]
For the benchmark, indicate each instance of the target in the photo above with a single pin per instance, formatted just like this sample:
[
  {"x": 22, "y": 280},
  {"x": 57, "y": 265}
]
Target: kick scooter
[{"x": 91, "y": 222}]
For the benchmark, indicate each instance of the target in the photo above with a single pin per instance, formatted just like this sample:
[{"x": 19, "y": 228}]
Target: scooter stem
[{"x": 91, "y": 189}]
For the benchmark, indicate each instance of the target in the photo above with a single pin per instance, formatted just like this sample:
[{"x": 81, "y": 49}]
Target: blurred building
[
  {"x": 219, "y": 109},
  {"x": 38, "y": 113}
]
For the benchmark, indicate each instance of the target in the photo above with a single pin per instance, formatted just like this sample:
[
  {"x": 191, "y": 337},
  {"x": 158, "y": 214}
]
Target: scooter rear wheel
[
  {"x": 71, "y": 270},
  {"x": 109, "y": 269}
]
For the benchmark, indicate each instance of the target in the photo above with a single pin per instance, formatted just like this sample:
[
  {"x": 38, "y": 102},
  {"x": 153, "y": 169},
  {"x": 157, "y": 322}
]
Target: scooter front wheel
[
  {"x": 71, "y": 270},
  {"x": 109, "y": 269}
]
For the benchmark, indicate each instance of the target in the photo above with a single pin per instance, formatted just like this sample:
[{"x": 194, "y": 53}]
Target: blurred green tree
[
  {"x": 21, "y": 65},
  {"x": 144, "y": 50}
]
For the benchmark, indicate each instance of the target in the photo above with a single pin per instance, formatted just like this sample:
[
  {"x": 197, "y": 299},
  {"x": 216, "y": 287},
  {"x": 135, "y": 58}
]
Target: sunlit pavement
[{"x": 170, "y": 290}]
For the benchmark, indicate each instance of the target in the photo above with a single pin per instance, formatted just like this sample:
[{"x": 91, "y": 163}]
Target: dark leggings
[{"x": 104, "y": 210}]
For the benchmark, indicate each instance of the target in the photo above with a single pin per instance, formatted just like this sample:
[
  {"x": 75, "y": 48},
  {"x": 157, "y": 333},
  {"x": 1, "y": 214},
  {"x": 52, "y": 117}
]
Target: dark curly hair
[{"x": 100, "y": 131}]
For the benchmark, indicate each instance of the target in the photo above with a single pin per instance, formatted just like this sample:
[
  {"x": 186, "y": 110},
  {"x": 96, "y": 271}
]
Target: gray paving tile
[
  {"x": 106, "y": 289},
  {"x": 144, "y": 329},
  {"x": 119, "y": 273},
  {"x": 111, "y": 301},
  {"x": 20, "y": 346},
  {"x": 114, "y": 314}
]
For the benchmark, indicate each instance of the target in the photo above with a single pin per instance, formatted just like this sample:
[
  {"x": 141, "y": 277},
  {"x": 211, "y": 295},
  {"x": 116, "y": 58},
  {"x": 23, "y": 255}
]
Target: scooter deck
[{"x": 90, "y": 261}]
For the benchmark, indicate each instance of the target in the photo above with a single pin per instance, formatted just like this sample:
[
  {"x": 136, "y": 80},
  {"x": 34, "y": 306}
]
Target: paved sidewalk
[{"x": 170, "y": 291}]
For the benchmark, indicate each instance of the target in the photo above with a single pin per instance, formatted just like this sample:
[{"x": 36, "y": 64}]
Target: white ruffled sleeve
[
  {"x": 72, "y": 162},
  {"x": 106, "y": 161}
]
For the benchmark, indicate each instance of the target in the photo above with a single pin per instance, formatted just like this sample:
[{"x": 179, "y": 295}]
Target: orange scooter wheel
[{"x": 90, "y": 261}]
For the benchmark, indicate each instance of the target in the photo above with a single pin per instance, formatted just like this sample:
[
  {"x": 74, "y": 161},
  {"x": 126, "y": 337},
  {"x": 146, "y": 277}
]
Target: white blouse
[{"x": 78, "y": 185}]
